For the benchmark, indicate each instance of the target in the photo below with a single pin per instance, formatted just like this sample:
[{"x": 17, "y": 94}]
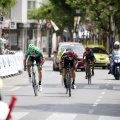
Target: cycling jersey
[
  {"x": 37, "y": 53},
  {"x": 90, "y": 55},
  {"x": 35, "y": 57},
  {"x": 66, "y": 60}
]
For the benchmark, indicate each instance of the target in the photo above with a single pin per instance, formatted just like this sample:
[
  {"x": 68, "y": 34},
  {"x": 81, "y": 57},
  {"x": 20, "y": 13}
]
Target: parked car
[
  {"x": 101, "y": 55},
  {"x": 78, "y": 48}
]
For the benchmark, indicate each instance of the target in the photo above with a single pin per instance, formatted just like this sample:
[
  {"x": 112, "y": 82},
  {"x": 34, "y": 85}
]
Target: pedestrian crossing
[{"x": 63, "y": 116}]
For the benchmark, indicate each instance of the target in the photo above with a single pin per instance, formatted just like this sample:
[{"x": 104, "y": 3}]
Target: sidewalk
[{"x": 48, "y": 58}]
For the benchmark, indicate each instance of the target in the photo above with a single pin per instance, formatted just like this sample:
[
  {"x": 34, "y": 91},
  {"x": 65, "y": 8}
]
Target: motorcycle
[{"x": 115, "y": 66}]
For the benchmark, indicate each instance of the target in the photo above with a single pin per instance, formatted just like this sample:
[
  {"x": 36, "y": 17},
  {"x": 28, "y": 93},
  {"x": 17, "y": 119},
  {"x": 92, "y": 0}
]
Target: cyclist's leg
[
  {"x": 38, "y": 61},
  {"x": 73, "y": 74},
  {"x": 93, "y": 64},
  {"x": 64, "y": 76},
  {"x": 86, "y": 66},
  {"x": 64, "y": 71}
]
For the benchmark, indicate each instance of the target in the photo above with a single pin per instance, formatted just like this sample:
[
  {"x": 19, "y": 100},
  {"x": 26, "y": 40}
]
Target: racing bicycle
[
  {"x": 68, "y": 80},
  {"x": 33, "y": 78},
  {"x": 89, "y": 74}
]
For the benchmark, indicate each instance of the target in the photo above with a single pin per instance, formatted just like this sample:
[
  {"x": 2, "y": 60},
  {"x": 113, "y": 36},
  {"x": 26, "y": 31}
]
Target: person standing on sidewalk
[
  {"x": 34, "y": 54},
  {"x": 2, "y": 43}
]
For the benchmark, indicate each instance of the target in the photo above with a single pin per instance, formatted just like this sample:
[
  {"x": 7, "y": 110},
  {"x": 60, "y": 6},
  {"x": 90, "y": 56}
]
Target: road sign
[
  {"x": 48, "y": 25},
  {"x": 13, "y": 25}
]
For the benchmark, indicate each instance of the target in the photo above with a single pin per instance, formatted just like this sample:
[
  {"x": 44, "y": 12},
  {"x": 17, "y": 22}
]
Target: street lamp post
[
  {"x": 76, "y": 22},
  {"x": 111, "y": 7}
]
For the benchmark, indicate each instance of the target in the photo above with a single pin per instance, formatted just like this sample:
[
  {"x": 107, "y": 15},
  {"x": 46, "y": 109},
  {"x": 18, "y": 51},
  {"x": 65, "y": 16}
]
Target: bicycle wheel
[
  {"x": 69, "y": 84},
  {"x": 34, "y": 84},
  {"x": 89, "y": 75}
]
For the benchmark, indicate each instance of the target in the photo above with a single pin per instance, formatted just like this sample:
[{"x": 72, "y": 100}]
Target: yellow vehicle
[{"x": 101, "y": 55}]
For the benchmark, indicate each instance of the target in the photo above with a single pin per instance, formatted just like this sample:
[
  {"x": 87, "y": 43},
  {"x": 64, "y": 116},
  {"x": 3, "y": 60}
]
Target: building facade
[{"x": 20, "y": 31}]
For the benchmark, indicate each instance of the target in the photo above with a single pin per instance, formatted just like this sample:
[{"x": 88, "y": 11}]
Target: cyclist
[
  {"x": 34, "y": 54},
  {"x": 66, "y": 58},
  {"x": 88, "y": 54}
]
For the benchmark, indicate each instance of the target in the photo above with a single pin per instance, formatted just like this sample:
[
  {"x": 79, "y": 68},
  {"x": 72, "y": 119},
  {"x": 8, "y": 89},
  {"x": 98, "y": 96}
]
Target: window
[
  {"x": 98, "y": 50},
  {"x": 31, "y": 4}
]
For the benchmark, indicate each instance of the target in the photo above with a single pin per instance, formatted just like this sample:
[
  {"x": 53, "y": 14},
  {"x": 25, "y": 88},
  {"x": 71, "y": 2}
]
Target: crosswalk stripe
[
  {"x": 62, "y": 116},
  {"x": 14, "y": 88},
  {"x": 18, "y": 115},
  {"x": 108, "y": 118}
]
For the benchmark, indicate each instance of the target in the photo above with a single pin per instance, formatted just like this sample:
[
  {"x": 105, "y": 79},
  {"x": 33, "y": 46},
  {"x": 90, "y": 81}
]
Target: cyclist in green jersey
[{"x": 34, "y": 54}]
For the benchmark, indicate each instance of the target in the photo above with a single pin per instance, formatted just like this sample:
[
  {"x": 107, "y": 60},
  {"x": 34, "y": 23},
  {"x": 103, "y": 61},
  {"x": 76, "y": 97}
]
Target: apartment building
[{"x": 20, "y": 31}]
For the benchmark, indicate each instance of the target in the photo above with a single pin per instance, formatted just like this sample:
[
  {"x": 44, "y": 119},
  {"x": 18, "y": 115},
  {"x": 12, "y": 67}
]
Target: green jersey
[{"x": 37, "y": 52}]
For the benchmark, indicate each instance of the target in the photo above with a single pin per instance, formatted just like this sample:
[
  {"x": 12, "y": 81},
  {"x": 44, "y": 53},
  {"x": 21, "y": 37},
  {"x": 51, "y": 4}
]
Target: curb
[{"x": 48, "y": 58}]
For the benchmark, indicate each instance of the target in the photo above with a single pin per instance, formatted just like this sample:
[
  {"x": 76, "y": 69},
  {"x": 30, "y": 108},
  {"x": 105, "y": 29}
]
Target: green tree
[{"x": 5, "y": 4}]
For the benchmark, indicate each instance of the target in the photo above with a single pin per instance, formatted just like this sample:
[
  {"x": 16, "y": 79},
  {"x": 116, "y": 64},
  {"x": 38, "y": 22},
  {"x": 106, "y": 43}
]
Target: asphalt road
[{"x": 98, "y": 101}]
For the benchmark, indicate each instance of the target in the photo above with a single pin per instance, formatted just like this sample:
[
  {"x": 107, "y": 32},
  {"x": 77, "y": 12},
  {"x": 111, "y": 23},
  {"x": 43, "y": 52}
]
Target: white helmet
[{"x": 116, "y": 43}]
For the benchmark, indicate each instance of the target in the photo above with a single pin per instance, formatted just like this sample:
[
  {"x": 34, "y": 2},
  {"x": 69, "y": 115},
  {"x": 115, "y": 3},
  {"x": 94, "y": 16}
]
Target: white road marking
[
  {"x": 108, "y": 118},
  {"x": 95, "y": 104},
  {"x": 15, "y": 88},
  {"x": 100, "y": 97},
  {"x": 18, "y": 115},
  {"x": 102, "y": 92},
  {"x": 92, "y": 86},
  {"x": 98, "y": 100},
  {"x": 8, "y": 86},
  {"x": 90, "y": 111},
  {"x": 61, "y": 116}
]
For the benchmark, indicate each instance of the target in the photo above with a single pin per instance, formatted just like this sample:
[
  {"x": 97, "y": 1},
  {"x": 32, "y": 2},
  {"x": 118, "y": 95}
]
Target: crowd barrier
[{"x": 11, "y": 64}]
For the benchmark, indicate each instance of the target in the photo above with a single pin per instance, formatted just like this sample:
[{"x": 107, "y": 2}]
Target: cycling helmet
[
  {"x": 71, "y": 53},
  {"x": 87, "y": 49},
  {"x": 31, "y": 48},
  {"x": 116, "y": 43}
]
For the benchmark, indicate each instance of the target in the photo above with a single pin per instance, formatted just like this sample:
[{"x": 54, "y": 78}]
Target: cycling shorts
[
  {"x": 66, "y": 63},
  {"x": 32, "y": 59},
  {"x": 91, "y": 59}
]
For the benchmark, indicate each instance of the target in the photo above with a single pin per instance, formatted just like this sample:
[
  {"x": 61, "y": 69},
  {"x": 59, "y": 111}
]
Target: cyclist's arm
[
  {"x": 25, "y": 58},
  {"x": 24, "y": 62},
  {"x": 93, "y": 57},
  {"x": 76, "y": 61},
  {"x": 84, "y": 56},
  {"x": 60, "y": 64},
  {"x": 42, "y": 60}
]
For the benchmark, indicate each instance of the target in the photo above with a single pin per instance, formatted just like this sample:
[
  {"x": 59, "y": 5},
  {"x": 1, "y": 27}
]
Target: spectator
[
  {"x": 2, "y": 43},
  {"x": 7, "y": 49}
]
